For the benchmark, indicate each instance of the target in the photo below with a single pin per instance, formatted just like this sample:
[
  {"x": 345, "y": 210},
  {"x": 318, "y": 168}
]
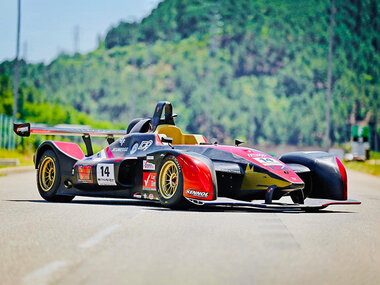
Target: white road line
[
  {"x": 95, "y": 239},
  {"x": 41, "y": 276}
]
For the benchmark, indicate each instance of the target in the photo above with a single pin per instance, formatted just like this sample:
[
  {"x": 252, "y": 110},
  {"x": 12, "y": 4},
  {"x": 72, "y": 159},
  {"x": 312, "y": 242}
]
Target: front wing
[{"x": 310, "y": 204}]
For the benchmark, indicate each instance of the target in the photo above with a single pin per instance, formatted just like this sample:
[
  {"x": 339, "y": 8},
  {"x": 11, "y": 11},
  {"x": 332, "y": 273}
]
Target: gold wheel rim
[
  {"x": 168, "y": 179},
  {"x": 47, "y": 174}
]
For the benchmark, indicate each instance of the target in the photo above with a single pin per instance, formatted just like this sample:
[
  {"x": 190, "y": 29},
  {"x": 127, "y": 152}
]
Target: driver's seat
[{"x": 178, "y": 137}]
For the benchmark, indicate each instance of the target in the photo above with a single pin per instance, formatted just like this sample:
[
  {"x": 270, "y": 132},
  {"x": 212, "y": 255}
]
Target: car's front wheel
[
  {"x": 49, "y": 178},
  {"x": 170, "y": 184}
]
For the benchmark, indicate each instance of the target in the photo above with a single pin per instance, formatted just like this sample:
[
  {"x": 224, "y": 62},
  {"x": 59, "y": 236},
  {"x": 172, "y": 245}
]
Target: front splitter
[{"x": 309, "y": 205}]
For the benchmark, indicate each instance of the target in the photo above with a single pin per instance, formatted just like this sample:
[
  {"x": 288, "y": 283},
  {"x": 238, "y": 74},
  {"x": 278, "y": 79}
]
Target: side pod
[{"x": 328, "y": 175}]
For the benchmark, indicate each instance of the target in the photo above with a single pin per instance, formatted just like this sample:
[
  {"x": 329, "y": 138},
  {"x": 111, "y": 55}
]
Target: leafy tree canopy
[{"x": 249, "y": 68}]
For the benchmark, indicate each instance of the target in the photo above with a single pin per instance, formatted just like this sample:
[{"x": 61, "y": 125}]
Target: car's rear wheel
[
  {"x": 170, "y": 184},
  {"x": 49, "y": 178}
]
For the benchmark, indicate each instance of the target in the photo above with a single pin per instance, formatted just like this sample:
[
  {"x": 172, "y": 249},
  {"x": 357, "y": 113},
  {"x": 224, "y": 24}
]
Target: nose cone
[
  {"x": 290, "y": 176},
  {"x": 268, "y": 169}
]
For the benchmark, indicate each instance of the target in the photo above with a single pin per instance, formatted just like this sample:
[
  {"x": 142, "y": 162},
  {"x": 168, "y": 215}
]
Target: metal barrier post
[
  {"x": 9, "y": 135},
  {"x": 1, "y": 130},
  {"x": 8, "y": 140}
]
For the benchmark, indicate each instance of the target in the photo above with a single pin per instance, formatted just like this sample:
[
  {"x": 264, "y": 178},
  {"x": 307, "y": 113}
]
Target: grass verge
[
  {"x": 26, "y": 159},
  {"x": 369, "y": 166}
]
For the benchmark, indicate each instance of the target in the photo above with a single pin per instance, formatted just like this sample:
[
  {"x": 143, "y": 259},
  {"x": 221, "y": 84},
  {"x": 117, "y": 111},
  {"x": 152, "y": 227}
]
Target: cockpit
[{"x": 162, "y": 124}]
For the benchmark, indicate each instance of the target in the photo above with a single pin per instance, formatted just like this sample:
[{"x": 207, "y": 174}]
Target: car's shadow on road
[
  {"x": 104, "y": 202},
  {"x": 156, "y": 206}
]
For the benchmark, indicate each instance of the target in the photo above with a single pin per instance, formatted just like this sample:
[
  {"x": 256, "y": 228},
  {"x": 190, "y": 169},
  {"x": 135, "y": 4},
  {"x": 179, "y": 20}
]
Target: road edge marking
[
  {"x": 41, "y": 275},
  {"x": 98, "y": 237}
]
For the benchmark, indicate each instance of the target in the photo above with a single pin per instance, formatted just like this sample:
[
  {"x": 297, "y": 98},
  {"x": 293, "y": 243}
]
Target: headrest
[
  {"x": 132, "y": 124},
  {"x": 142, "y": 126}
]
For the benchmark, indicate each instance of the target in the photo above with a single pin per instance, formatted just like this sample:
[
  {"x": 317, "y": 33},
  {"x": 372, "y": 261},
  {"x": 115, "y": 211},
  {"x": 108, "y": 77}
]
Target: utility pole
[
  {"x": 150, "y": 72},
  {"x": 213, "y": 46},
  {"x": 329, "y": 77},
  {"x": 15, "y": 90},
  {"x": 25, "y": 51},
  {"x": 133, "y": 78}
]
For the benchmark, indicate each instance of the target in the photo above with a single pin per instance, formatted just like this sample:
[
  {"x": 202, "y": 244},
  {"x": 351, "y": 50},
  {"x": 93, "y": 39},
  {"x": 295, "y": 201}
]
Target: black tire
[
  {"x": 297, "y": 196},
  {"x": 49, "y": 178},
  {"x": 171, "y": 196}
]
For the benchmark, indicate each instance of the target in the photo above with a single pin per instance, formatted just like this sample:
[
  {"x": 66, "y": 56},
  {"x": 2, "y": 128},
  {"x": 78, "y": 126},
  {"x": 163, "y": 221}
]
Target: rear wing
[{"x": 25, "y": 130}]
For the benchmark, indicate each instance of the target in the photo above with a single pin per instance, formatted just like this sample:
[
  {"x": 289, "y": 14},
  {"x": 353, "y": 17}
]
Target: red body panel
[
  {"x": 149, "y": 181},
  {"x": 70, "y": 149},
  {"x": 197, "y": 178},
  {"x": 343, "y": 173}
]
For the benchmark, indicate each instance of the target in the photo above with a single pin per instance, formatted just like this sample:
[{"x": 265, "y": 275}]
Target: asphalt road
[{"x": 104, "y": 241}]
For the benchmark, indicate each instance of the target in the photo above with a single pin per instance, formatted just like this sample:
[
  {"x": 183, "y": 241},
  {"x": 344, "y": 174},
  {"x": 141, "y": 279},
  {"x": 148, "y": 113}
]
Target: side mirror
[
  {"x": 237, "y": 142},
  {"x": 167, "y": 140}
]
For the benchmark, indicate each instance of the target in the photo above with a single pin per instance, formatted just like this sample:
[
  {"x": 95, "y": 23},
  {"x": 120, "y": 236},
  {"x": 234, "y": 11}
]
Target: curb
[{"x": 12, "y": 170}]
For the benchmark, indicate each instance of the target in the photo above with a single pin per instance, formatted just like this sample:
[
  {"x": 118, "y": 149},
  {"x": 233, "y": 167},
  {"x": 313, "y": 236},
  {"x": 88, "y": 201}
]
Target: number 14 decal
[
  {"x": 105, "y": 174},
  {"x": 105, "y": 170},
  {"x": 268, "y": 161}
]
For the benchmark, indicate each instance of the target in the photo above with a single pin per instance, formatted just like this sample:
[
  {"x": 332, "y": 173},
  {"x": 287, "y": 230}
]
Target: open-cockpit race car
[{"x": 154, "y": 160}]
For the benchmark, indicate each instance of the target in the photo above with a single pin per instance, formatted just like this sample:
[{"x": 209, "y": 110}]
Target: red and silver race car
[{"x": 154, "y": 160}]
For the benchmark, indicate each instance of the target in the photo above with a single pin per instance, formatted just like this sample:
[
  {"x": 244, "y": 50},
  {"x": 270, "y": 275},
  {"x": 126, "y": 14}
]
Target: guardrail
[
  {"x": 9, "y": 161},
  {"x": 7, "y": 137}
]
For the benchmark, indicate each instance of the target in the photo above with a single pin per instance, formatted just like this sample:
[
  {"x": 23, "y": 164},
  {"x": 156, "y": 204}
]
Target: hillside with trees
[{"x": 250, "y": 68}]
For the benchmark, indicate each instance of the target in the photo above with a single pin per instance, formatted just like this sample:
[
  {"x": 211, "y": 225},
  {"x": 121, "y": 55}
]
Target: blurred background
[{"x": 263, "y": 71}]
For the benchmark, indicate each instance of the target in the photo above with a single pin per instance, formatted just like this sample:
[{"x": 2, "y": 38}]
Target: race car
[{"x": 153, "y": 159}]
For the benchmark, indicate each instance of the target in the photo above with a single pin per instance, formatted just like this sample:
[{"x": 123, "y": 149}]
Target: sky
[{"x": 48, "y": 26}]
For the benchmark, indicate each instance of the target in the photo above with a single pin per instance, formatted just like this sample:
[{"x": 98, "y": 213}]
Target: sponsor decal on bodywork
[
  {"x": 148, "y": 165},
  {"x": 134, "y": 148},
  {"x": 256, "y": 154},
  {"x": 268, "y": 161},
  {"x": 145, "y": 145},
  {"x": 22, "y": 129},
  {"x": 137, "y": 196},
  {"x": 197, "y": 193},
  {"x": 85, "y": 173},
  {"x": 105, "y": 174},
  {"x": 120, "y": 149},
  {"x": 100, "y": 155},
  {"x": 149, "y": 181}
]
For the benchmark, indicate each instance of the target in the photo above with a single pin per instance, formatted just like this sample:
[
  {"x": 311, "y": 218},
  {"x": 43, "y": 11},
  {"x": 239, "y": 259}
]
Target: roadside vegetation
[
  {"x": 251, "y": 69},
  {"x": 25, "y": 158},
  {"x": 371, "y": 166}
]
